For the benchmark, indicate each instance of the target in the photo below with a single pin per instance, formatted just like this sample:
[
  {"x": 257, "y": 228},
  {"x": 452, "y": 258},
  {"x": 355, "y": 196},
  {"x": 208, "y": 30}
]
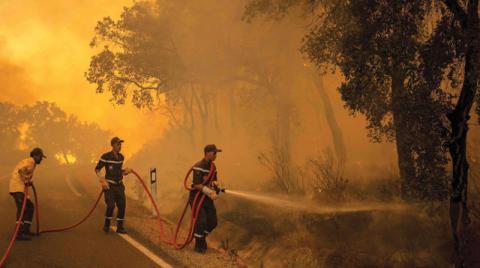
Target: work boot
[
  {"x": 106, "y": 226},
  {"x": 205, "y": 240},
  {"x": 21, "y": 234},
  {"x": 200, "y": 244},
  {"x": 23, "y": 237},
  {"x": 120, "y": 228},
  {"x": 27, "y": 230}
]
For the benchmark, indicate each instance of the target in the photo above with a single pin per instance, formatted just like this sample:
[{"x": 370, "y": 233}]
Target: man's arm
[
  {"x": 98, "y": 170},
  {"x": 215, "y": 183},
  {"x": 198, "y": 179},
  {"x": 26, "y": 174},
  {"x": 125, "y": 171},
  {"x": 200, "y": 185}
]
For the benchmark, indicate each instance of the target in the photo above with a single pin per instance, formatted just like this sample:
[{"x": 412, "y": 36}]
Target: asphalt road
[{"x": 85, "y": 246}]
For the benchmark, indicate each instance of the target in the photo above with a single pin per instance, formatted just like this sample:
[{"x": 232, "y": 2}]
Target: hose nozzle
[{"x": 218, "y": 190}]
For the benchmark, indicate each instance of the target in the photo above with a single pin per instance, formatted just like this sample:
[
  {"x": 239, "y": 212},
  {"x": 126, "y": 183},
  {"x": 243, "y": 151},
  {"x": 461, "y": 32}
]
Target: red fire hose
[
  {"x": 17, "y": 227},
  {"x": 37, "y": 216},
  {"x": 196, "y": 205},
  {"x": 195, "y": 210},
  {"x": 154, "y": 204}
]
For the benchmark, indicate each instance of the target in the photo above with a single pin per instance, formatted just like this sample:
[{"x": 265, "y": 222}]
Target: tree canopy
[{"x": 43, "y": 124}]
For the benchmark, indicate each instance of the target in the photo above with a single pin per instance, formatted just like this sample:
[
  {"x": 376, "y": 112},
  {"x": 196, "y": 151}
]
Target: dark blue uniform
[
  {"x": 116, "y": 194},
  {"x": 207, "y": 216}
]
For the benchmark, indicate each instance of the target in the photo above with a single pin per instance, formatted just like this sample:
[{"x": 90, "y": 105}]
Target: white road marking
[
  {"x": 152, "y": 256},
  {"x": 72, "y": 188}
]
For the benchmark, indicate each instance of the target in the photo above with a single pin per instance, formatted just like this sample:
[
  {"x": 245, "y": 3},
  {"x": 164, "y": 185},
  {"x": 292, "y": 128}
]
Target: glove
[
  {"x": 127, "y": 171},
  {"x": 209, "y": 192},
  {"x": 105, "y": 185},
  {"x": 213, "y": 196},
  {"x": 102, "y": 180}
]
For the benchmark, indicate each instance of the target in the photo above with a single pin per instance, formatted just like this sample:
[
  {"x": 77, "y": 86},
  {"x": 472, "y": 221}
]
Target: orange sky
[{"x": 44, "y": 53}]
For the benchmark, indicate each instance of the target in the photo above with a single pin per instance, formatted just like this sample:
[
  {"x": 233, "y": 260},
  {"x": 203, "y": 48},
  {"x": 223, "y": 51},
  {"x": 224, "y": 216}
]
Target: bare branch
[{"x": 142, "y": 87}]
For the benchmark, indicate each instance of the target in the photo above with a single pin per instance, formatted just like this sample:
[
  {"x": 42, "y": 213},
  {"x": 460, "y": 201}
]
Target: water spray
[{"x": 311, "y": 207}]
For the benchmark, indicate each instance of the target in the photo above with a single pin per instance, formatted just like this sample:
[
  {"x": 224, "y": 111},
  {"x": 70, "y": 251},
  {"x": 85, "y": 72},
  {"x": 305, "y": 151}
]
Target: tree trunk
[
  {"x": 202, "y": 105},
  {"x": 191, "y": 138},
  {"x": 406, "y": 164},
  {"x": 282, "y": 140},
  {"x": 459, "y": 123},
  {"x": 336, "y": 131},
  {"x": 215, "y": 114},
  {"x": 233, "y": 111}
]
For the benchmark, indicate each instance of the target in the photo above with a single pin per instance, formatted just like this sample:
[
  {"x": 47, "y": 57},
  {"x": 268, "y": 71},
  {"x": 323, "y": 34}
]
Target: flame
[{"x": 67, "y": 159}]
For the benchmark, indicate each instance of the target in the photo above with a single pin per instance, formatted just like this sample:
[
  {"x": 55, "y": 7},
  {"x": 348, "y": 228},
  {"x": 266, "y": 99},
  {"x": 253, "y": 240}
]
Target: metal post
[{"x": 153, "y": 187}]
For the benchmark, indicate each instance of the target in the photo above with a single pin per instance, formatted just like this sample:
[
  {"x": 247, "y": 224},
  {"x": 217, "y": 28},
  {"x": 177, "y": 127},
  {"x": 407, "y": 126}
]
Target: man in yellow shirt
[{"x": 22, "y": 176}]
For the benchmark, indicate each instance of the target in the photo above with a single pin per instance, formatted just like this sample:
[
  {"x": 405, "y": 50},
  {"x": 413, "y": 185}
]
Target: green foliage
[
  {"x": 363, "y": 39},
  {"x": 174, "y": 57},
  {"x": 277, "y": 9},
  {"x": 45, "y": 125},
  {"x": 138, "y": 55},
  {"x": 392, "y": 76},
  {"x": 9, "y": 132}
]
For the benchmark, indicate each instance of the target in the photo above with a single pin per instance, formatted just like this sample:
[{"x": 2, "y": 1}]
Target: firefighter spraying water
[
  {"x": 203, "y": 191},
  {"x": 205, "y": 183}
]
